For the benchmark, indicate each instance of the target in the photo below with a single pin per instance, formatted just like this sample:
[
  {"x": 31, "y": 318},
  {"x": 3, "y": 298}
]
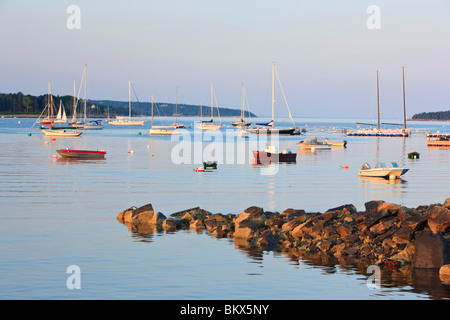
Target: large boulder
[
  {"x": 430, "y": 251},
  {"x": 255, "y": 214},
  {"x": 246, "y": 229},
  {"x": 439, "y": 219}
]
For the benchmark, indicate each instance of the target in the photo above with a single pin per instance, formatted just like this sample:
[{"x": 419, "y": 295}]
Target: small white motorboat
[
  {"x": 313, "y": 144},
  {"x": 382, "y": 171}
]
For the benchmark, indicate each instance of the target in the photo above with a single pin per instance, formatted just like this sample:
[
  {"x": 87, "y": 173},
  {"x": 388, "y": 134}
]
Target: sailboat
[
  {"x": 61, "y": 116},
  {"x": 162, "y": 130},
  {"x": 269, "y": 128},
  {"x": 51, "y": 130},
  {"x": 378, "y": 132},
  {"x": 209, "y": 124},
  {"x": 241, "y": 124},
  {"x": 84, "y": 125},
  {"x": 123, "y": 121}
]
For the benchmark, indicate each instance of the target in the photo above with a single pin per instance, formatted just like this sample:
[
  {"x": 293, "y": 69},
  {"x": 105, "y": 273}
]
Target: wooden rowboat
[{"x": 82, "y": 154}]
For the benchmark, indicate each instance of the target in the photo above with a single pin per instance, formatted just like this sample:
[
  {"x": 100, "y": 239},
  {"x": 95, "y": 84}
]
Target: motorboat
[
  {"x": 341, "y": 144},
  {"x": 82, "y": 154},
  {"x": 271, "y": 154},
  {"x": 381, "y": 170},
  {"x": 313, "y": 144}
]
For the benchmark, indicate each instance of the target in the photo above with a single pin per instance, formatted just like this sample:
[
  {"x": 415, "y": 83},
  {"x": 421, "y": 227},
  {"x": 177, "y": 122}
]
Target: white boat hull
[
  {"x": 127, "y": 123},
  {"x": 164, "y": 132},
  {"x": 60, "y": 133},
  {"x": 209, "y": 126},
  {"x": 382, "y": 172}
]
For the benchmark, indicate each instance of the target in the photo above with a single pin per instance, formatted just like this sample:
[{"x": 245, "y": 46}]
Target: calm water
[{"x": 57, "y": 213}]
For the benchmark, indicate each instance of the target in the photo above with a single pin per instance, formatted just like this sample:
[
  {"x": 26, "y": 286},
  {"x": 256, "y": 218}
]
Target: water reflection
[{"x": 405, "y": 279}]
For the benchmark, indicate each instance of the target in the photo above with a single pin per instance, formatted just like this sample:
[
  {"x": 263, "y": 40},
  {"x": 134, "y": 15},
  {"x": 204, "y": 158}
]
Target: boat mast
[
  {"x": 74, "y": 117},
  {"x": 378, "y": 102},
  {"x": 129, "y": 100},
  {"x": 404, "y": 103},
  {"x": 176, "y": 107},
  {"x": 242, "y": 101},
  {"x": 212, "y": 111},
  {"x": 85, "y": 76},
  {"x": 152, "y": 110},
  {"x": 273, "y": 94}
]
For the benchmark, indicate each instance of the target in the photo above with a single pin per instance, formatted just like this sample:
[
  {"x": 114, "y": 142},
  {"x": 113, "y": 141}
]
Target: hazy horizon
[{"x": 325, "y": 54}]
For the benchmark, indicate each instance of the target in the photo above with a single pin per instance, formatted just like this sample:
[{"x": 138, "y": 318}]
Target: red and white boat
[
  {"x": 271, "y": 154},
  {"x": 82, "y": 154}
]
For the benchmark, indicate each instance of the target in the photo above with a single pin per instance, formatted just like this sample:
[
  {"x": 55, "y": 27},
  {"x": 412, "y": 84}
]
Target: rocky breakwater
[{"x": 385, "y": 233}]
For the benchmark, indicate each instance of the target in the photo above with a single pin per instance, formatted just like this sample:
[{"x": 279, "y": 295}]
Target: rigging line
[
  {"x": 217, "y": 106},
  {"x": 282, "y": 91}
]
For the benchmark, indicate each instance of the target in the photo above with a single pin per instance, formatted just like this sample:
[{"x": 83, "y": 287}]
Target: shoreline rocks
[{"x": 385, "y": 233}]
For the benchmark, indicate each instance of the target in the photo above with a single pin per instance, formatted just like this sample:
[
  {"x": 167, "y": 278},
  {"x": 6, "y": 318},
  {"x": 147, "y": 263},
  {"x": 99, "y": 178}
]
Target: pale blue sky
[{"x": 325, "y": 55}]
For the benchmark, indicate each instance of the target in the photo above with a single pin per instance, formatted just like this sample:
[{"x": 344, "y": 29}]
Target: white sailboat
[
  {"x": 61, "y": 117},
  {"x": 209, "y": 124},
  {"x": 269, "y": 128},
  {"x": 241, "y": 123},
  {"x": 51, "y": 130},
  {"x": 162, "y": 130},
  {"x": 84, "y": 124},
  {"x": 177, "y": 125},
  {"x": 124, "y": 121}
]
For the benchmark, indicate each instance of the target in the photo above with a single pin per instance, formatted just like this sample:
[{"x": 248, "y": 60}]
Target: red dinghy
[
  {"x": 270, "y": 154},
  {"x": 82, "y": 154}
]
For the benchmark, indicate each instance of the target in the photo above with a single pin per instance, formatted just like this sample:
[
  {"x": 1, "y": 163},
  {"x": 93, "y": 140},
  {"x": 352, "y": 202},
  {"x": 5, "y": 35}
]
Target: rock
[
  {"x": 430, "y": 251},
  {"x": 169, "y": 224},
  {"x": 444, "y": 274},
  {"x": 406, "y": 255},
  {"x": 292, "y": 213},
  {"x": 344, "y": 230},
  {"x": 403, "y": 235},
  {"x": 246, "y": 229},
  {"x": 126, "y": 215},
  {"x": 439, "y": 219},
  {"x": 302, "y": 229},
  {"x": 267, "y": 239},
  {"x": 416, "y": 222},
  {"x": 148, "y": 217},
  {"x": 197, "y": 224},
  {"x": 447, "y": 203},
  {"x": 255, "y": 214},
  {"x": 382, "y": 227}
]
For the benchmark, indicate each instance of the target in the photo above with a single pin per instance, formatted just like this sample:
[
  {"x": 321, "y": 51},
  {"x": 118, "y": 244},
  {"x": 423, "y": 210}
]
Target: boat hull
[
  {"x": 209, "y": 126},
  {"x": 314, "y": 147},
  {"x": 263, "y": 157},
  {"x": 164, "y": 132},
  {"x": 60, "y": 133},
  {"x": 382, "y": 172},
  {"x": 81, "y": 154},
  {"x": 289, "y": 131}
]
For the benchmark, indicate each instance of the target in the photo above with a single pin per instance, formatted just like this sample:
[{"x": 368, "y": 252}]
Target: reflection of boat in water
[
  {"x": 313, "y": 144},
  {"x": 82, "y": 154},
  {"x": 439, "y": 141},
  {"x": 271, "y": 154},
  {"x": 382, "y": 171}
]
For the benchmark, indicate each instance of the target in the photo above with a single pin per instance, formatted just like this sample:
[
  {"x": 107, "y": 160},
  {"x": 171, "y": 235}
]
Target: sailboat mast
[
  {"x": 273, "y": 93},
  {"x": 404, "y": 103},
  {"x": 152, "y": 110},
  {"x": 74, "y": 117},
  {"x": 212, "y": 101},
  {"x": 129, "y": 99},
  {"x": 242, "y": 102},
  {"x": 176, "y": 107},
  {"x": 85, "y": 76},
  {"x": 378, "y": 102}
]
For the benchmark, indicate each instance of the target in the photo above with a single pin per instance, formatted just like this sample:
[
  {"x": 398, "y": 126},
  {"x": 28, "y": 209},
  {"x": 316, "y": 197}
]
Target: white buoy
[{"x": 392, "y": 177}]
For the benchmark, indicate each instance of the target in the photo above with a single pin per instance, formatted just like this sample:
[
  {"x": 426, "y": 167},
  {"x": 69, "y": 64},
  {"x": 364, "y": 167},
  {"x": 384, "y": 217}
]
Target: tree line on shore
[
  {"x": 19, "y": 103},
  {"x": 438, "y": 115}
]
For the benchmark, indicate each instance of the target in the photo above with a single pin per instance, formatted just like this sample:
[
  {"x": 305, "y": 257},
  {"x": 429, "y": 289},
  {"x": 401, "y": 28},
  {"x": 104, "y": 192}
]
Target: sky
[{"x": 325, "y": 53}]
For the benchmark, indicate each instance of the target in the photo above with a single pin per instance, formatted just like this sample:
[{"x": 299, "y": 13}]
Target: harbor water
[{"x": 58, "y": 213}]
